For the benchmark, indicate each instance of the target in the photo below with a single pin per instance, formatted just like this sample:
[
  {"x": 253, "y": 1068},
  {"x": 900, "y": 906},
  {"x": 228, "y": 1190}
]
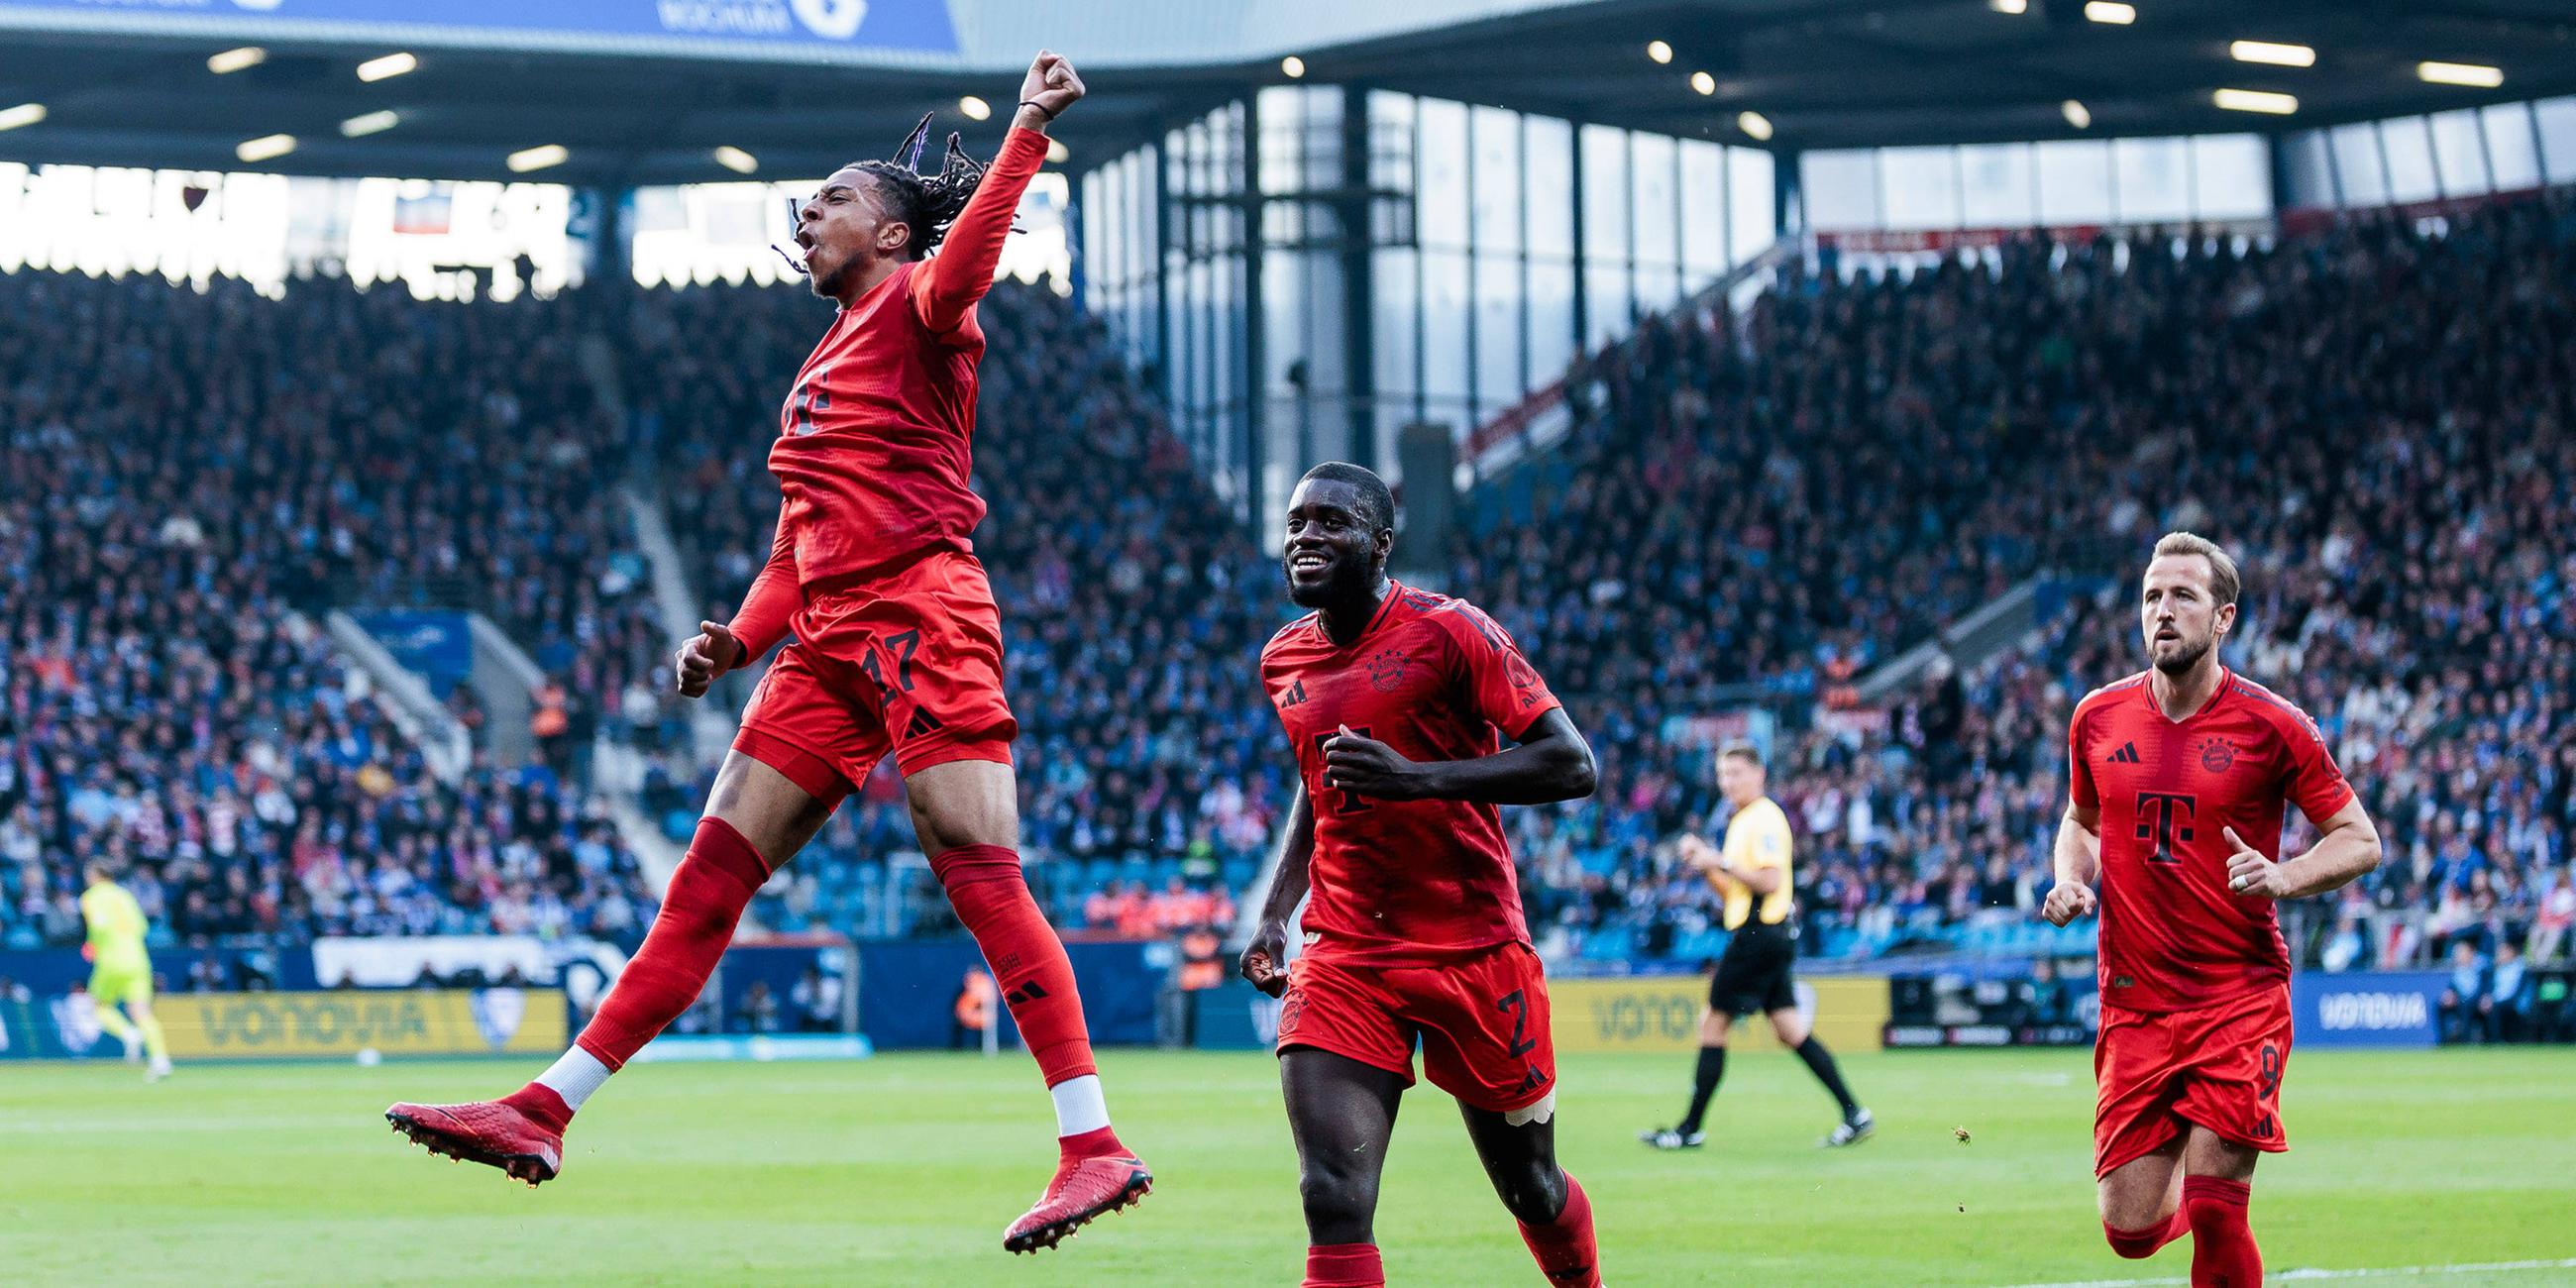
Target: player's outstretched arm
[
  {"x": 2079, "y": 865},
  {"x": 963, "y": 270},
  {"x": 2348, "y": 847},
  {"x": 1265, "y": 961},
  {"x": 1552, "y": 763}
]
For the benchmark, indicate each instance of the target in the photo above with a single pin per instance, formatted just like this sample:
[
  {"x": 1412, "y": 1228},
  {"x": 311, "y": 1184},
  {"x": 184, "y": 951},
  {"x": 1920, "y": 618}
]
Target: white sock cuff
[
  {"x": 1079, "y": 1105},
  {"x": 574, "y": 1075}
]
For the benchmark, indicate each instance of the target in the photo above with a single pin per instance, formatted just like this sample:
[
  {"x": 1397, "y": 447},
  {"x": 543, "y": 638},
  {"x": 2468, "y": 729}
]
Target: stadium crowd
[
  {"x": 1759, "y": 508},
  {"x": 2374, "y": 418},
  {"x": 186, "y": 481}
]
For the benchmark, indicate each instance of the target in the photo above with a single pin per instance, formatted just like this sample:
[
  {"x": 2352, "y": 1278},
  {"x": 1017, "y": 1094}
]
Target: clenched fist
[
  {"x": 701, "y": 660},
  {"x": 2068, "y": 901}
]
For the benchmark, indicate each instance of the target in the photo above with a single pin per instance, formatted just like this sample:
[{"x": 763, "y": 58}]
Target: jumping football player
[
  {"x": 2177, "y": 778},
  {"x": 1397, "y": 702},
  {"x": 898, "y": 646}
]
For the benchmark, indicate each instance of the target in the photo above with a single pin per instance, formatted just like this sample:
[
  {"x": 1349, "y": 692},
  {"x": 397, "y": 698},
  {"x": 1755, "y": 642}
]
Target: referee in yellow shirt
[
  {"x": 120, "y": 971},
  {"x": 1753, "y": 874}
]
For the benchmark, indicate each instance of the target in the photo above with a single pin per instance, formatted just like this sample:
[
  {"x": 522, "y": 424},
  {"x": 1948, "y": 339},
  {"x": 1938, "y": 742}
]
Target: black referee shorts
[{"x": 1754, "y": 974}]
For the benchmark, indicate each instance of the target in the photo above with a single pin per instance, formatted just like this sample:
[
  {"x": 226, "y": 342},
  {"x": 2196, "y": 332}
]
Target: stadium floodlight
[
  {"x": 1057, "y": 152},
  {"x": 2278, "y": 55},
  {"x": 1658, "y": 51},
  {"x": 1292, "y": 67},
  {"x": 1704, "y": 83},
  {"x": 735, "y": 159},
  {"x": 233, "y": 60},
  {"x": 2076, "y": 114},
  {"x": 23, "y": 114},
  {"x": 537, "y": 158},
  {"x": 387, "y": 67},
  {"x": 2111, "y": 12},
  {"x": 2255, "y": 100},
  {"x": 359, "y": 127},
  {"x": 975, "y": 108},
  {"x": 1754, "y": 124},
  {"x": 267, "y": 147},
  {"x": 2015, "y": 7},
  {"x": 2472, "y": 75}
]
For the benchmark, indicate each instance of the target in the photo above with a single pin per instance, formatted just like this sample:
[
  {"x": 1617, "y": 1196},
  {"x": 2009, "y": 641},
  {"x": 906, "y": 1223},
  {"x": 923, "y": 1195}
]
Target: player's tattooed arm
[
  {"x": 2347, "y": 848},
  {"x": 2079, "y": 865},
  {"x": 1265, "y": 960},
  {"x": 1552, "y": 763}
]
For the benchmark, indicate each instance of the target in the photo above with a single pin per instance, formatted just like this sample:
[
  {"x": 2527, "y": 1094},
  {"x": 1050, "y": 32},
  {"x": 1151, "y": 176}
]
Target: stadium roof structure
[{"x": 128, "y": 82}]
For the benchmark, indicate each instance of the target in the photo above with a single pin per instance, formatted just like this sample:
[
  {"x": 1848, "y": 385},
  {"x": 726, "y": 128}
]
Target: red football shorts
[
  {"x": 2219, "y": 1066},
  {"x": 912, "y": 662},
  {"x": 1481, "y": 1021}
]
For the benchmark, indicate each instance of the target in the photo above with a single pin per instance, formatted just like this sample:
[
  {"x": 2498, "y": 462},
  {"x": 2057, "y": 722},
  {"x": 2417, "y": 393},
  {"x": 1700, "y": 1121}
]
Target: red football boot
[
  {"x": 512, "y": 1133},
  {"x": 1084, "y": 1188}
]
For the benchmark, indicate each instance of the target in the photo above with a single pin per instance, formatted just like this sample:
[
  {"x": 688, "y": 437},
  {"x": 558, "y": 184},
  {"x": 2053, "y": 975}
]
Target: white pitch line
[{"x": 2568, "y": 1263}]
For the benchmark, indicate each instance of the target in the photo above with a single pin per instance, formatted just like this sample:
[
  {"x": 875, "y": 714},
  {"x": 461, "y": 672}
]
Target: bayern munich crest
[
  {"x": 1386, "y": 670},
  {"x": 2217, "y": 755}
]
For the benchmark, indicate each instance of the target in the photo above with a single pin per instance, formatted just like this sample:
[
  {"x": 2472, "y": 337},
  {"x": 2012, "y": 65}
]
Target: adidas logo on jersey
[
  {"x": 2126, "y": 755},
  {"x": 922, "y": 722},
  {"x": 1296, "y": 693}
]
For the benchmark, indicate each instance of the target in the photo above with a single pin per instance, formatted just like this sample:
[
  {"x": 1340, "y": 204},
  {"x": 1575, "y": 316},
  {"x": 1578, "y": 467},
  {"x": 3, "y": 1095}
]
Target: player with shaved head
[{"x": 1399, "y": 703}]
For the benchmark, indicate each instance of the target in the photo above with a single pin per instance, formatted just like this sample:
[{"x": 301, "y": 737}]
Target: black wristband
[{"x": 1030, "y": 102}]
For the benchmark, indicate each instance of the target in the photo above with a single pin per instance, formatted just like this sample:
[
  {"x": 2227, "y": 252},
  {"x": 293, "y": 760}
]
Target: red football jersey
[
  {"x": 1436, "y": 679},
  {"x": 875, "y": 439},
  {"x": 2173, "y": 935}
]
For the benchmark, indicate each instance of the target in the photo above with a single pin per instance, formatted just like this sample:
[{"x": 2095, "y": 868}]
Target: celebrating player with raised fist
[{"x": 898, "y": 647}]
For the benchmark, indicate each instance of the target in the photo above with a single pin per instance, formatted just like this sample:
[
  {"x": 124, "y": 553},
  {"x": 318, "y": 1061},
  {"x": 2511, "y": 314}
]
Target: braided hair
[{"x": 927, "y": 203}]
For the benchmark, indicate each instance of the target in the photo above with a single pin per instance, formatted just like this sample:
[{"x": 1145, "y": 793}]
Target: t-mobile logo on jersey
[{"x": 2165, "y": 817}]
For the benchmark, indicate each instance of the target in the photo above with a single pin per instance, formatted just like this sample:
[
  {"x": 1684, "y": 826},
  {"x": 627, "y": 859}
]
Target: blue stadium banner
[
  {"x": 435, "y": 644},
  {"x": 784, "y": 28},
  {"x": 2398, "y": 1008}
]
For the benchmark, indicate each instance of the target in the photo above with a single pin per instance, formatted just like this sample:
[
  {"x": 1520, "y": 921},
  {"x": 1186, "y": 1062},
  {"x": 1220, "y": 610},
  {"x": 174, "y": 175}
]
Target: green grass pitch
[{"x": 903, "y": 1170}]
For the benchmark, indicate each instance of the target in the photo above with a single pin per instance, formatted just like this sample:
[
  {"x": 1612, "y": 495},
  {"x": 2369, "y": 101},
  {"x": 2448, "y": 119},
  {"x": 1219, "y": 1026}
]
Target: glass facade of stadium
[{"x": 1315, "y": 267}]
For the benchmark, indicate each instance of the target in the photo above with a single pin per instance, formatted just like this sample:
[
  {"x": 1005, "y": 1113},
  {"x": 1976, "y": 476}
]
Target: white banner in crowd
[{"x": 584, "y": 967}]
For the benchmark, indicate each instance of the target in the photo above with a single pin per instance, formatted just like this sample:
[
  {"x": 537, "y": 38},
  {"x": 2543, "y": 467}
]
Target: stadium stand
[
  {"x": 2375, "y": 400},
  {"x": 188, "y": 477},
  {"x": 1974, "y": 415}
]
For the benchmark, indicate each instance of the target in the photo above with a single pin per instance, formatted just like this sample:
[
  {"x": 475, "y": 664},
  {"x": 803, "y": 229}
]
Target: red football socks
[
  {"x": 992, "y": 899},
  {"x": 713, "y": 885},
  {"x": 2223, "y": 1254},
  {"x": 1564, "y": 1247},
  {"x": 2135, "y": 1244},
  {"x": 1344, "y": 1265}
]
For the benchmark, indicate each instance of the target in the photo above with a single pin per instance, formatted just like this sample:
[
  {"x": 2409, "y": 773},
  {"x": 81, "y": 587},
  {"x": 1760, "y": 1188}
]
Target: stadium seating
[
  {"x": 1780, "y": 500},
  {"x": 187, "y": 476},
  {"x": 2373, "y": 418}
]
